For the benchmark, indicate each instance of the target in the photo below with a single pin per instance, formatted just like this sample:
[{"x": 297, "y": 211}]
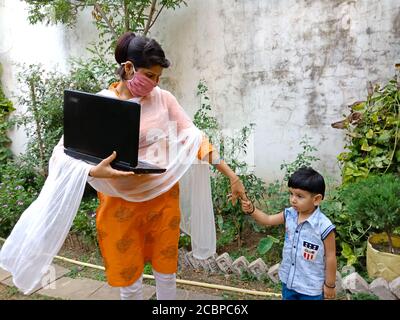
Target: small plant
[
  {"x": 148, "y": 269},
  {"x": 364, "y": 296},
  {"x": 184, "y": 241},
  {"x": 375, "y": 200},
  {"x": 276, "y": 287},
  {"x": 228, "y": 215},
  {"x": 248, "y": 276},
  {"x": 74, "y": 272},
  {"x": 303, "y": 159}
]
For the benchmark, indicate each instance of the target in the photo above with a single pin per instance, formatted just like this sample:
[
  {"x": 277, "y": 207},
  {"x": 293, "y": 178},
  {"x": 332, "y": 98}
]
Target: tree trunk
[
  {"x": 38, "y": 129},
  {"x": 239, "y": 241},
  {"x": 150, "y": 18},
  {"x": 126, "y": 16},
  {"x": 389, "y": 235}
]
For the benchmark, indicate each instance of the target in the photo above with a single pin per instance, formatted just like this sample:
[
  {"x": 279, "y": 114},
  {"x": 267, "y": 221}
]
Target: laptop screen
[{"x": 96, "y": 125}]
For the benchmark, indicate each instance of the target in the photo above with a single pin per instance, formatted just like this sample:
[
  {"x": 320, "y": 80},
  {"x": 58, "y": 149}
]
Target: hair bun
[
  {"x": 149, "y": 47},
  {"x": 121, "y": 50}
]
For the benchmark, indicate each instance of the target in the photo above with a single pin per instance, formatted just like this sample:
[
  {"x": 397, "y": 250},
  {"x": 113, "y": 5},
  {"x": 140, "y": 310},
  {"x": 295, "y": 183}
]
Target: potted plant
[{"x": 375, "y": 200}]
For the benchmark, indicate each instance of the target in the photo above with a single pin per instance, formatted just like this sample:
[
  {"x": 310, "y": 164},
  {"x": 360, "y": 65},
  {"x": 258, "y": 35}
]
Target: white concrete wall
[
  {"x": 289, "y": 66},
  {"x": 51, "y": 46}
]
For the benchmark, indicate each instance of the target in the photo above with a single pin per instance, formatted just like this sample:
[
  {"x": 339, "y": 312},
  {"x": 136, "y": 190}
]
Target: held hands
[
  {"x": 238, "y": 191},
  {"x": 104, "y": 169},
  {"x": 247, "y": 206}
]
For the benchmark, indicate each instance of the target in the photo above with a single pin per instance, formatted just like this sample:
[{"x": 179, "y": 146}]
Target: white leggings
[{"x": 165, "y": 287}]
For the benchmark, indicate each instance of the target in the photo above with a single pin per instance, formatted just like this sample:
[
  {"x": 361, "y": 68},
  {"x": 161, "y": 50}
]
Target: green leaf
[
  {"x": 347, "y": 252},
  {"x": 384, "y": 136},
  {"x": 359, "y": 106},
  {"x": 220, "y": 222},
  {"x": 379, "y": 161},
  {"x": 265, "y": 244},
  {"x": 365, "y": 146},
  {"x": 369, "y": 134},
  {"x": 374, "y": 117}
]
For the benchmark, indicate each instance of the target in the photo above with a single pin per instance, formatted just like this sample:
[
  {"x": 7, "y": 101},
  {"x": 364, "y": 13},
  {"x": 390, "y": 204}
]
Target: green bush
[
  {"x": 6, "y": 107},
  {"x": 374, "y": 136},
  {"x": 84, "y": 223},
  {"x": 42, "y": 94},
  {"x": 375, "y": 201},
  {"x": 43, "y": 98},
  {"x": 351, "y": 234},
  {"x": 19, "y": 187}
]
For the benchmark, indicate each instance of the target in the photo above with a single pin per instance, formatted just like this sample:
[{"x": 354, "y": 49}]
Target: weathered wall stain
[{"x": 396, "y": 25}]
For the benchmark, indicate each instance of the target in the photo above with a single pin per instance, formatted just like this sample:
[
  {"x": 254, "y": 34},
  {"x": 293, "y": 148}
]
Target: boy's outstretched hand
[{"x": 247, "y": 206}]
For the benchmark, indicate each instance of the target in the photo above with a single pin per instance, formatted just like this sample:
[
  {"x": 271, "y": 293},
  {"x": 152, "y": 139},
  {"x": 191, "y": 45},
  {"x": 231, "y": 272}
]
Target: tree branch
[
  {"x": 38, "y": 128},
  {"x": 140, "y": 12},
  {"x": 158, "y": 13},
  {"x": 103, "y": 15},
  {"x": 126, "y": 16},
  {"x": 152, "y": 10}
]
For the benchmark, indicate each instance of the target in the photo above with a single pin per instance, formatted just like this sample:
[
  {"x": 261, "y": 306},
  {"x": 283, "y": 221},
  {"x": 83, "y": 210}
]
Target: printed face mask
[{"x": 140, "y": 85}]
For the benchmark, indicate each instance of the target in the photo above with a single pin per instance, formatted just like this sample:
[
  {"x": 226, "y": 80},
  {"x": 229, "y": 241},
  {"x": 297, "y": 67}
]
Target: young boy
[{"x": 308, "y": 267}]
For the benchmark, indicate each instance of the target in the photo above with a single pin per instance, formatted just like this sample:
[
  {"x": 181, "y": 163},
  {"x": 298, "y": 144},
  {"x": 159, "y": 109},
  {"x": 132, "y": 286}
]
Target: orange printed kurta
[{"x": 133, "y": 233}]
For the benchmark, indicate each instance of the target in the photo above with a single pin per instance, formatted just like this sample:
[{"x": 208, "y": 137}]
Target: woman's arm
[
  {"x": 208, "y": 153},
  {"x": 237, "y": 187}
]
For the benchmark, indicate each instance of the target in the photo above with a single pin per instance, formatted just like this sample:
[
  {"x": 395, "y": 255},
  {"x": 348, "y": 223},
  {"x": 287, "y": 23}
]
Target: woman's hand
[
  {"x": 237, "y": 189},
  {"x": 104, "y": 169}
]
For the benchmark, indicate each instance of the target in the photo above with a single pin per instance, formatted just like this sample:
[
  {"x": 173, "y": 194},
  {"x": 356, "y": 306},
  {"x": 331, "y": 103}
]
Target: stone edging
[{"x": 352, "y": 282}]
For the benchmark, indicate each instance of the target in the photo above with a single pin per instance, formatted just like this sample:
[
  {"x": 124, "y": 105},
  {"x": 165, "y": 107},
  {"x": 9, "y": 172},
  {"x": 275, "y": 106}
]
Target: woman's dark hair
[
  {"x": 143, "y": 52},
  {"x": 309, "y": 180}
]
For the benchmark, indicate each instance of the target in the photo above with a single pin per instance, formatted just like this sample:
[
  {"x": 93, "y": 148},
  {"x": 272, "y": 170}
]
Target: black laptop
[{"x": 95, "y": 126}]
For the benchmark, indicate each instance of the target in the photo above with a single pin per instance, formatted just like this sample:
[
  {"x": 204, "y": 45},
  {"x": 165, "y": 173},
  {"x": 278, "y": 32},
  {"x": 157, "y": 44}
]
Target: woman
[
  {"x": 139, "y": 215},
  {"x": 131, "y": 233}
]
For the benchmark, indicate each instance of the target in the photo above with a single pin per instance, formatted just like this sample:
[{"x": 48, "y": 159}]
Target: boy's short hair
[{"x": 306, "y": 178}]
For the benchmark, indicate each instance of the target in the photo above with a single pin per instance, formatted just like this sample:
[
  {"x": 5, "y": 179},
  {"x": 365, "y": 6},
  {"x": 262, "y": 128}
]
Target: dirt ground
[{"x": 76, "y": 249}]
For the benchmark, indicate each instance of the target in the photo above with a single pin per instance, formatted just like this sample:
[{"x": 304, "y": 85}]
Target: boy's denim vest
[{"x": 303, "y": 263}]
